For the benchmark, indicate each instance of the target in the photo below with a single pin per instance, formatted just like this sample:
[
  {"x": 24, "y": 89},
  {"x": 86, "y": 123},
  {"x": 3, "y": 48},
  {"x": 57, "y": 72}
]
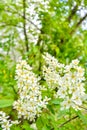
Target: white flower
[
  {"x": 6, "y": 125},
  {"x": 66, "y": 104},
  {"x": 62, "y": 92},
  {"x": 33, "y": 126},
  {"x": 30, "y": 102},
  {"x": 72, "y": 89},
  {"x": 68, "y": 81},
  {"x": 80, "y": 71},
  {"x": 67, "y": 68},
  {"x": 5, "y": 122},
  {"x": 75, "y": 62},
  {"x": 76, "y": 98},
  {"x": 51, "y": 71}
]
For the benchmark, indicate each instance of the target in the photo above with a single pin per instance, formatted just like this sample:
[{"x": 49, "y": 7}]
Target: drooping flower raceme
[
  {"x": 5, "y": 121},
  {"x": 68, "y": 79},
  {"x": 30, "y": 103},
  {"x": 52, "y": 71}
]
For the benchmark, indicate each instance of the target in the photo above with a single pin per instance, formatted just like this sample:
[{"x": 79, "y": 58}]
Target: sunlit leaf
[{"x": 6, "y": 103}]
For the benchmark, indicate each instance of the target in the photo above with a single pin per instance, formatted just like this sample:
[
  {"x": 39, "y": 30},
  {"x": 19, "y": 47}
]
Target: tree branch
[
  {"x": 62, "y": 40},
  {"x": 68, "y": 121},
  {"x": 24, "y": 25},
  {"x": 83, "y": 107},
  {"x": 15, "y": 12},
  {"x": 78, "y": 24},
  {"x": 73, "y": 11}
]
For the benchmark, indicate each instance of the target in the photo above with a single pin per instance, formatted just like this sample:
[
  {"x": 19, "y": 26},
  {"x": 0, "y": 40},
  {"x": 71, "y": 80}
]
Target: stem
[
  {"x": 24, "y": 25},
  {"x": 40, "y": 49},
  {"x": 68, "y": 121},
  {"x": 69, "y": 113}
]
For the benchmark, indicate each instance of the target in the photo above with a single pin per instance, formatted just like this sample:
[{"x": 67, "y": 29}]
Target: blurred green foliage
[{"x": 63, "y": 34}]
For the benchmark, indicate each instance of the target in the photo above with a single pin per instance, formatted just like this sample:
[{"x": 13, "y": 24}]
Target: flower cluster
[
  {"x": 30, "y": 103},
  {"x": 33, "y": 16},
  {"x": 5, "y": 122},
  {"x": 52, "y": 71},
  {"x": 33, "y": 10},
  {"x": 68, "y": 79}
]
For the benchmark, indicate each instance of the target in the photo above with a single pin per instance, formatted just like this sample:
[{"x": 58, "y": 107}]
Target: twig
[
  {"x": 83, "y": 108},
  {"x": 78, "y": 24},
  {"x": 73, "y": 11},
  {"x": 24, "y": 25},
  {"x": 68, "y": 121},
  {"x": 8, "y": 24},
  {"x": 15, "y": 12}
]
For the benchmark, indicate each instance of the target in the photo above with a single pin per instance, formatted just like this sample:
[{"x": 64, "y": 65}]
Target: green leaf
[
  {"x": 26, "y": 126},
  {"x": 39, "y": 123},
  {"x": 6, "y": 103},
  {"x": 62, "y": 113},
  {"x": 15, "y": 128},
  {"x": 82, "y": 117},
  {"x": 45, "y": 128},
  {"x": 56, "y": 102}
]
